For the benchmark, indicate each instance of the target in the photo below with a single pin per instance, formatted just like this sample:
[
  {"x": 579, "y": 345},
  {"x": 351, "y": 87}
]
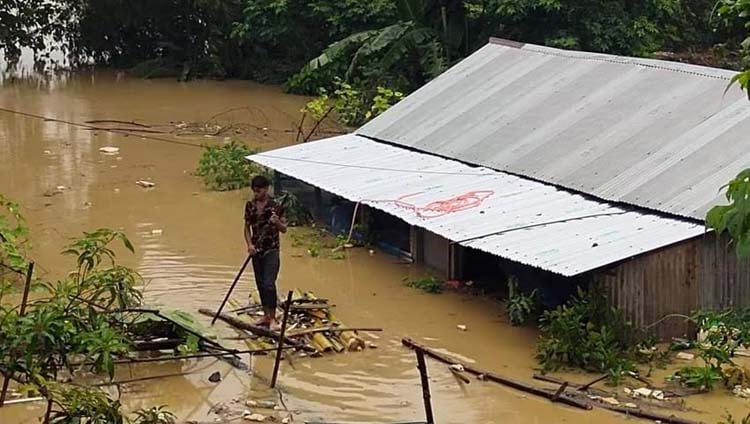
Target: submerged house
[{"x": 559, "y": 166}]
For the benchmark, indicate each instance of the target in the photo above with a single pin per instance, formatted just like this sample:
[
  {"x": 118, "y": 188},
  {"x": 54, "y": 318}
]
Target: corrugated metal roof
[
  {"x": 532, "y": 223},
  {"x": 656, "y": 134}
]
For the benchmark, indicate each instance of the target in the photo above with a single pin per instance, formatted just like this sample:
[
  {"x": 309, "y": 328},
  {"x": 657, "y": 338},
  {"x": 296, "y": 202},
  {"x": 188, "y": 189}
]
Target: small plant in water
[
  {"x": 520, "y": 306},
  {"x": 225, "y": 168},
  {"x": 428, "y": 284},
  {"x": 155, "y": 415},
  {"x": 13, "y": 238}
]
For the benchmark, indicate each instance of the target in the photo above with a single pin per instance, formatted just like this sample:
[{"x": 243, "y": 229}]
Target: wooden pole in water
[
  {"x": 22, "y": 311},
  {"x": 231, "y": 289},
  {"x": 422, "y": 366},
  {"x": 279, "y": 349}
]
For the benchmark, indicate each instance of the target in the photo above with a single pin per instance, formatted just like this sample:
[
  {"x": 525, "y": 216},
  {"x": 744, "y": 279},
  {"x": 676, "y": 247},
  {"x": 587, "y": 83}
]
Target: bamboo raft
[{"x": 312, "y": 328}]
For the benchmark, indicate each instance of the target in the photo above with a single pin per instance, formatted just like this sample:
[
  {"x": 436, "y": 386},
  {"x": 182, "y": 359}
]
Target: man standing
[{"x": 264, "y": 220}]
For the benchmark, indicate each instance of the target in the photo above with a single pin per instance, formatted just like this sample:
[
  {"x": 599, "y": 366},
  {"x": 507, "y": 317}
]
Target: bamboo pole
[
  {"x": 177, "y": 358},
  {"x": 231, "y": 289},
  {"x": 422, "y": 366},
  {"x": 332, "y": 330},
  {"x": 636, "y": 412},
  {"x": 277, "y": 362},
  {"x": 22, "y": 311},
  {"x": 498, "y": 379},
  {"x": 261, "y": 331}
]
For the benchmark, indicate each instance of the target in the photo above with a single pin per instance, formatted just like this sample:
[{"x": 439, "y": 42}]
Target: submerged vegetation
[
  {"x": 586, "y": 333},
  {"x": 75, "y": 326},
  {"x": 225, "y": 168},
  {"x": 14, "y": 242},
  {"x": 520, "y": 306},
  {"x": 428, "y": 284},
  {"x": 720, "y": 335}
]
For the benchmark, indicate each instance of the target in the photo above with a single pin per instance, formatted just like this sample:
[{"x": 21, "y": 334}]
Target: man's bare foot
[
  {"x": 274, "y": 325},
  {"x": 263, "y": 322}
]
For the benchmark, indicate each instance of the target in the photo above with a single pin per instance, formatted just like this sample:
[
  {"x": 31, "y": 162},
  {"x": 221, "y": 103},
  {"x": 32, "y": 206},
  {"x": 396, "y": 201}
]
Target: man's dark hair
[{"x": 259, "y": 181}]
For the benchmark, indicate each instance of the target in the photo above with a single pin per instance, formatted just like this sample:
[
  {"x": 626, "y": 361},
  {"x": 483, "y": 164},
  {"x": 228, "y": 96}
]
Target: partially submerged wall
[{"x": 701, "y": 273}]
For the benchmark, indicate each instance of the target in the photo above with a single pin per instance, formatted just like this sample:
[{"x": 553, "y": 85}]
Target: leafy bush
[
  {"x": 703, "y": 378},
  {"x": 428, "y": 284},
  {"x": 294, "y": 210},
  {"x": 587, "y": 334},
  {"x": 351, "y": 106},
  {"x": 520, "y": 306},
  {"x": 384, "y": 99},
  {"x": 735, "y": 217},
  {"x": 720, "y": 334},
  {"x": 80, "y": 319},
  {"x": 74, "y": 405},
  {"x": 225, "y": 168},
  {"x": 13, "y": 237}
]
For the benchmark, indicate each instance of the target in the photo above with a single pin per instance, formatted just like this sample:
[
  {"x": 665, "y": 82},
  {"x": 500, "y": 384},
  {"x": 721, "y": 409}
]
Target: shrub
[
  {"x": 520, "y": 306},
  {"x": 294, "y": 210},
  {"x": 225, "y": 168},
  {"x": 587, "y": 334}
]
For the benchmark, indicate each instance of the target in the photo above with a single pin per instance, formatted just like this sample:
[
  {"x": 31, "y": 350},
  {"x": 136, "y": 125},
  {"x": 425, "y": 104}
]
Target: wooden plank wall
[
  {"x": 651, "y": 286},
  {"x": 702, "y": 273},
  {"x": 724, "y": 278}
]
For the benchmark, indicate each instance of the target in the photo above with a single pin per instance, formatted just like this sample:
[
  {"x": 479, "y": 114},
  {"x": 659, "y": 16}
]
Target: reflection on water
[{"x": 189, "y": 246}]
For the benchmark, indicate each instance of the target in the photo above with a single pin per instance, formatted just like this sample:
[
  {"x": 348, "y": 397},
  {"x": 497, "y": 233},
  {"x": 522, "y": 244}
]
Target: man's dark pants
[{"x": 266, "y": 267}]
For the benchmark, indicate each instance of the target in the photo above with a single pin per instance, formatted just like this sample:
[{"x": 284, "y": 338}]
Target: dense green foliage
[
  {"x": 33, "y": 24},
  {"x": 224, "y": 167},
  {"x": 73, "y": 327},
  {"x": 390, "y": 43},
  {"x": 586, "y": 333},
  {"x": 734, "y": 218}
]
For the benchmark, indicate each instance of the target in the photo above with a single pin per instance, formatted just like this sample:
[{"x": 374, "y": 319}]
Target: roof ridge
[{"x": 612, "y": 58}]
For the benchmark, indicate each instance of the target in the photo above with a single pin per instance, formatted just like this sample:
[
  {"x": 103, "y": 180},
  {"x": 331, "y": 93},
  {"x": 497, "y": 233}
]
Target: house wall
[
  {"x": 701, "y": 273},
  {"x": 435, "y": 253}
]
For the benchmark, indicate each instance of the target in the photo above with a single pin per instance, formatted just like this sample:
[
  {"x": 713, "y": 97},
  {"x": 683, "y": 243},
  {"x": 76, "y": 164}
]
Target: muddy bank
[{"x": 189, "y": 245}]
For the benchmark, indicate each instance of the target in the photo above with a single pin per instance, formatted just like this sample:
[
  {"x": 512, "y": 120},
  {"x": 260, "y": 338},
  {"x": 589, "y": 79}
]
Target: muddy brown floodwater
[{"x": 190, "y": 263}]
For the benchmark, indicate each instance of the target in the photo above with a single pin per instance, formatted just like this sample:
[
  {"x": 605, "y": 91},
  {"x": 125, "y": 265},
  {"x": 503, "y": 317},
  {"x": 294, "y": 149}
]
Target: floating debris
[
  {"x": 255, "y": 417},
  {"x": 312, "y": 328},
  {"x": 462, "y": 327},
  {"x": 145, "y": 183},
  {"x": 215, "y": 377},
  {"x": 685, "y": 356},
  {"x": 109, "y": 150},
  {"x": 610, "y": 400}
]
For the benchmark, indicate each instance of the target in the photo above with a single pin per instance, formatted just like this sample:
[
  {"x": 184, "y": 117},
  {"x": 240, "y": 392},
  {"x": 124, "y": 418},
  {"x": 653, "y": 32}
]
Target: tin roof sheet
[
  {"x": 655, "y": 134},
  {"x": 522, "y": 220}
]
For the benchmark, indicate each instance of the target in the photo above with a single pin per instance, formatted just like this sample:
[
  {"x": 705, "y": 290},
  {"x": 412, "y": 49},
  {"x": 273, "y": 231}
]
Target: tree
[
  {"x": 734, "y": 218},
  {"x": 426, "y": 37},
  {"x": 33, "y": 24}
]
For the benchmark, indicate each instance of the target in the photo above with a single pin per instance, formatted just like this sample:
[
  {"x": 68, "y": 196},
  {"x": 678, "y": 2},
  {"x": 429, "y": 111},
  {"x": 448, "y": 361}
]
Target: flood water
[{"x": 191, "y": 262}]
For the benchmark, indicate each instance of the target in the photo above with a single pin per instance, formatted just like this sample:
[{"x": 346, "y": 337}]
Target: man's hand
[
  {"x": 251, "y": 250},
  {"x": 275, "y": 219}
]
